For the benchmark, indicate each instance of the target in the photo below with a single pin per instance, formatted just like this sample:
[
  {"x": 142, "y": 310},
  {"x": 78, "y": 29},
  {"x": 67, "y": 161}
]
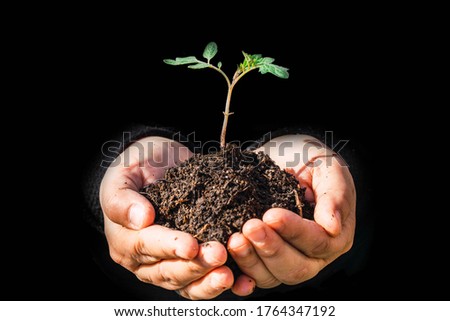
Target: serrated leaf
[
  {"x": 210, "y": 51},
  {"x": 267, "y": 60},
  {"x": 181, "y": 61},
  {"x": 257, "y": 61},
  {"x": 200, "y": 65},
  {"x": 276, "y": 70},
  {"x": 263, "y": 69},
  {"x": 219, "y": 65}
]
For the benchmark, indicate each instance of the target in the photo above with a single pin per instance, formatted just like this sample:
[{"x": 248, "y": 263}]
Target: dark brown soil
[{"x": 211, "y": 196}]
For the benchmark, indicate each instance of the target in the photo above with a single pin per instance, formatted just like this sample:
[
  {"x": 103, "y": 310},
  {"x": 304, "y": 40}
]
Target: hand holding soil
[
  {"x": 158, "y": 255},
  {"x": 286, "y": 248}
]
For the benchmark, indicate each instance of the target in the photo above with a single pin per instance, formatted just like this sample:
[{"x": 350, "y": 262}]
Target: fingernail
[
  {"x": 258, "y": 235},
  {"x": 211, "y": 256},
  {"x": 137, "y": 214},
  {"x": 236, "y": 242},
  {"x": 238, "y": 246}
]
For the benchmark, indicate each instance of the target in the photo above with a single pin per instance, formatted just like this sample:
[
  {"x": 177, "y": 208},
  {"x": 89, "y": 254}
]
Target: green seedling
[{"x": 251, "y": 62}]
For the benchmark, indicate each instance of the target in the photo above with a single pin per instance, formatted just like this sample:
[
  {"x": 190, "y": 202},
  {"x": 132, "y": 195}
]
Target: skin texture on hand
[
  {"x": 157, "y": 255},
  {"x": 285, "y": 248}
]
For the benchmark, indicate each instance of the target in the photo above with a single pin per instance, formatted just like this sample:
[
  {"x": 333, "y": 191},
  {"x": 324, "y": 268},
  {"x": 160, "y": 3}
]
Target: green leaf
[
  {"x": 267, "y": 60},
  {"x": 276, "y": 70},
  {"x": 210, "y": 51},
  {"x": 200, "y": 65},
  {"x": 170, "y": 61},
  {"x": 263, "y": 69},
  {"x": 247, "y": 57},
  {"x": 279, "y": 71},
  {"x": 219, "y": 65},
  {"x": 181, "y": 61}
]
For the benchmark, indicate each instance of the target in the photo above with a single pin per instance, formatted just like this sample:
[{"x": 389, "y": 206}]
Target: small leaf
[
  {"x": 210, "y": 50},
  {"x": 276, "y": 70},
  {"x": 181, "y": 61},
  {"x": 279, "y": 71},
  {"x": 200, "y": 65},
  {"x": 170, "y": 61},
  {"x": 267, "y": 60},
  {"x": 257, "y": 61},
  {"x": 247, "y": 57},
  {"x": 219, "y": 65}
]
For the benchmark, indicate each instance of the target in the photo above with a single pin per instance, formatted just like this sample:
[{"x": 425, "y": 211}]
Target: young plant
[{"x": 251, "y": 62}]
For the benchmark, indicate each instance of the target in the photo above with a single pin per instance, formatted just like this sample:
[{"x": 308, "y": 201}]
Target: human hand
[
  {"x": 284, "y": 247},
  {"x": 161, "y": 256}
]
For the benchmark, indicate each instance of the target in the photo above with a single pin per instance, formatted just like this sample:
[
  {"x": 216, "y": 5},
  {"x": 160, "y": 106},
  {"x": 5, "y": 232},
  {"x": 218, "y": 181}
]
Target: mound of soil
[{"x": 211, "y": 196}]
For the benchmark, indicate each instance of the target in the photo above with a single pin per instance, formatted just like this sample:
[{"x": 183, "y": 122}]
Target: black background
[{"x": 345, "y": 77}]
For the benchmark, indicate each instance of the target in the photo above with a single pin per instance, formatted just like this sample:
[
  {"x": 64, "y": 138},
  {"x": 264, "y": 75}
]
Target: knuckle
[
  {"x": 249, "y": 262},
  {"x": 196, "y": 269},
  {"x": 153, "y": 277},
  {"x": 116, "y": 257},
  {"x": 172, "y": 282},
  {"x": 167, "y": 279},
  {"x": 146, "y": 278},
  {"x": 160, "y": 275},
  {"x": 322, "y": 247},
  {"x": 267, "y": 283},
  {"x": 295, "y": 276},
  {"x": 270, "y": 249},
  {"x": 139, "y": 245}
]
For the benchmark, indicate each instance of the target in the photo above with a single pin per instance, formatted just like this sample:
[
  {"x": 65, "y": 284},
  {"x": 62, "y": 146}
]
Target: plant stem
[
  {"x": 222, "y": 73},
  {"x": 227, "y": 113}
]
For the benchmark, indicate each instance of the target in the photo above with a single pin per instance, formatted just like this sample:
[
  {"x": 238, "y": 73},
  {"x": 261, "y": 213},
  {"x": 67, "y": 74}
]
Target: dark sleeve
[{"x": 109, "y": 151}]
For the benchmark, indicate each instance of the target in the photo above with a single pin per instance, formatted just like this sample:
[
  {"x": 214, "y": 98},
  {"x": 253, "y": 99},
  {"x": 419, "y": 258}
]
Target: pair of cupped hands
[{"x": 282, "y": 248}]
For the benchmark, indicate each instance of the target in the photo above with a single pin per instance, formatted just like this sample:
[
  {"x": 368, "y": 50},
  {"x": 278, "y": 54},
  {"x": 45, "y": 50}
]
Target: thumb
[
  {"x": 327, "y": 215},
  {"x": 332, "y": 185},
  {"x": 121, "y": 201}
]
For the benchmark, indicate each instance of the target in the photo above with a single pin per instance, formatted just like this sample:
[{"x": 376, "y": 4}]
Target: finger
[
  {"x": 243, "y": 286},
  {"x": 285, "y": 262},
  {"x": 305, "y": 235},
  {"x": 334, "y": 194},
  {"x": 140, "y": 164},
  {"x": 210, "y": 286},
  {"x": 131, "y": 248},
  {"x": 175, "y": 274},
  {"x": 249, "y": 262},
  {"x": 121, "y": 201}
]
